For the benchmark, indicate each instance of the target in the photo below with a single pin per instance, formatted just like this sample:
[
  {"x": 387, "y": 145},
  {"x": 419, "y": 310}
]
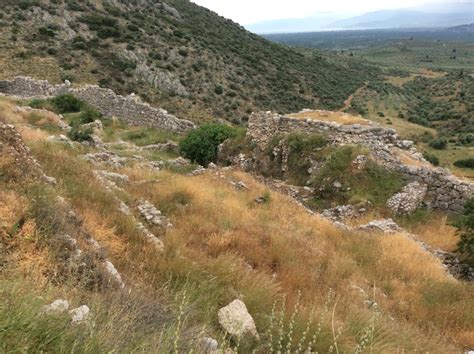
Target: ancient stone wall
[
  {"x": 129, "y": 109},
  {"x": 445, "y": 191}
]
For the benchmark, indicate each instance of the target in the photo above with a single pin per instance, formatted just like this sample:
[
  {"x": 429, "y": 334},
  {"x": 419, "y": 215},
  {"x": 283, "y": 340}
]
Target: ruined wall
[
  {"x": 445, "y": 191},
  {"x": 128, "y": 109}
]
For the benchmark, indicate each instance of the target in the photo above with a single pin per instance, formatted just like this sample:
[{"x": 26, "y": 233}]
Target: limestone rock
[
  {"x": 236, "y": 320},
  {"x": 79, "y": 314},
  {"x": 343, "y": 212},
  {"x": 209, "y": 345},
  {"x": 387, "y": 226},
  {"x": 152, "y": 215},
  {"x": 56, "y": 306},
  {"x": 110, "y": 268}
]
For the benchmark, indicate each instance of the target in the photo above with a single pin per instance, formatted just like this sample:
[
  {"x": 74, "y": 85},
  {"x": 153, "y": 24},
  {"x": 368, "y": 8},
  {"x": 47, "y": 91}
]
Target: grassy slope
[
  {"x": 202, "y": 50},
  {"x": 223, "y": 246}
]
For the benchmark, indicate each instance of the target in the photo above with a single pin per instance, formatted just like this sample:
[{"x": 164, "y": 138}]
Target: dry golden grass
[
  {"x": 401, "y": 252},
  {"x": 32, "y": 135},
  {"x": 302, "y": 251},
  {"x": 408, "y": 160},
  {"x": 328, "y": 116},
  {"x": 227, "y": 246},
  {"x": 437, "y": 232},
  {"x": 6, "y": 112}
]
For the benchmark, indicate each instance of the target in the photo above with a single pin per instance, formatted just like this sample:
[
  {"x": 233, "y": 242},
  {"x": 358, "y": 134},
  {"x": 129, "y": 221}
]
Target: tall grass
[{"x": 225, "y": 246}]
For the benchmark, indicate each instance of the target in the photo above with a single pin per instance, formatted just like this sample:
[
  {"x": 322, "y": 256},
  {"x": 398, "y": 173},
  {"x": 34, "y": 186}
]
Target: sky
[{"x": 247, "y": 12}]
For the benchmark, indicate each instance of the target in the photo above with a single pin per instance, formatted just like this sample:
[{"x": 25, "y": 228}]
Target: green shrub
[
  {"x": 201, "y": 145},
  {"x": 466, "y": 231},
  {"x": 432, "y": 158},
  {"x": 439, "y": 144},
  {"x": 218, "y": 90},
  {"x": 67, "y": 104},
  {"x": 465, "y": 163},
  {"x": 41, "y": 104},
  {"x": 89, "y": 114},
  {"x": 80, "y": 134}
]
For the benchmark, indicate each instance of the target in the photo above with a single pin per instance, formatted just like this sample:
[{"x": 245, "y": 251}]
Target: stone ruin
[
  {"x": 438, "y": 187},
  {"x": 129, "y": 109}
]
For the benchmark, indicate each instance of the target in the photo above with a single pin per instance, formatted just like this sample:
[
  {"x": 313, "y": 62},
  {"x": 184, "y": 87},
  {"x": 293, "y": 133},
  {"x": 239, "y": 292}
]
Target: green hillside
[{"x": 177, "y": 55}]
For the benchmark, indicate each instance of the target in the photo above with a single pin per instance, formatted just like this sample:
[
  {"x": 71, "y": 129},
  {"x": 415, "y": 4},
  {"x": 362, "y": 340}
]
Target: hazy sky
[{"x": 251, "y": 11}]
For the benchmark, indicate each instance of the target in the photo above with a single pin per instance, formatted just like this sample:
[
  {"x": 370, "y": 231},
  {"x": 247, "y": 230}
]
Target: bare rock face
[
  {"x": 236, "y": 320},
  {"x": 409, "y": 199}
]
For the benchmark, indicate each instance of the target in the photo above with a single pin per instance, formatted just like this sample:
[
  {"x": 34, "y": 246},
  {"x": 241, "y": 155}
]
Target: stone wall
[
  {"x": 129, "y": 109},
  {"x": 445, "y": 191}
]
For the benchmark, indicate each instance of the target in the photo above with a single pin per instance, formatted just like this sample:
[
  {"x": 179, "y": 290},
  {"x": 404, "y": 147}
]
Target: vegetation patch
[
  {"x": 339, "y": 183},
  {"x": 465, "y": 163},
  {"x": 201, "y": 145}
]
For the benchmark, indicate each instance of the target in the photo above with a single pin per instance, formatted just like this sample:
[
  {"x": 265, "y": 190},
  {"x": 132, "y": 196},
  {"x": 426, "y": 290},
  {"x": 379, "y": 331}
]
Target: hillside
[
  {"x": 147, "y": 249},
  {"x": 176, "y": 55}
]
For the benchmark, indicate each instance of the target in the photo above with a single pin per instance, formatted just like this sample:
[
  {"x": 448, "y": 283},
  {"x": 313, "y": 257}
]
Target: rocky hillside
[
  {"x": 111, "y": 241},
  {"x": 176, "y": 54}
]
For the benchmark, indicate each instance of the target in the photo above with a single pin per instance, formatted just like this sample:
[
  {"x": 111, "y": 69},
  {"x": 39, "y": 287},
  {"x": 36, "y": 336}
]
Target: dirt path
[{"x": 347, "y": 103}]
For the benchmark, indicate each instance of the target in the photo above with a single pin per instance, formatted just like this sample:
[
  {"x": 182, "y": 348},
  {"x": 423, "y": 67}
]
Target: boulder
[{"x": 236, "y": 320}]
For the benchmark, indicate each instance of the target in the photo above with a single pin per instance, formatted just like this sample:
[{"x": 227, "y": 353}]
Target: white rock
[
  {"x": 236, "y": 320},
  {"x": 57, "y": 306},
  {"x": 79, "y": 314},
  {"x": 209, "y": 344},
  {"x": 387, "y": 226},
  {"x": 114, "y": 273}
]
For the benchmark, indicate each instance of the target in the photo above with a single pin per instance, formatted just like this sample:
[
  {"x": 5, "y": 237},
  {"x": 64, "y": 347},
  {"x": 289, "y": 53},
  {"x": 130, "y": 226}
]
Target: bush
[
  {"x": 466, "y": 231},
  {"x": 465, "y": 163},
  {"x": 432, "y": 158},
  {"x": 201, "y": 145},
  {"x": 218, "y": 90},
  {"x": 89, "y": 114},
  {"x": 439, "y": 144},
  {"x": 80, "y": 134},
  {"x": 67, "y": 104}
]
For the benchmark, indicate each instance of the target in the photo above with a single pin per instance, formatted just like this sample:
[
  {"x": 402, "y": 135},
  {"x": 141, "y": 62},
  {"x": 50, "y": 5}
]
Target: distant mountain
[
  {"x": 439, "y": 15},
  {"x": 463, "y": 29},
  {"x": 404, "y": 19},
  {"x": 313, "y": 23}
]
